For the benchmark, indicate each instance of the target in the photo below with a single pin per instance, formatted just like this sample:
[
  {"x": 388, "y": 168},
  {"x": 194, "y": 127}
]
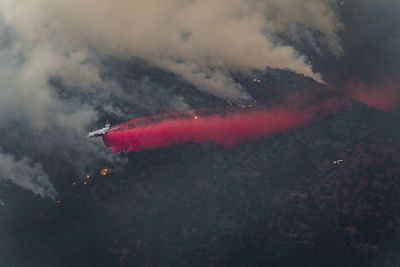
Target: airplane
[
  {"x": 338, "y": 161},
  {"x": 101, "y": 131}
]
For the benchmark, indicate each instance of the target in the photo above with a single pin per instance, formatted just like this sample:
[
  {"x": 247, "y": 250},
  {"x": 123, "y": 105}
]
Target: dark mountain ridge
[{"x": 275, "y": 201}]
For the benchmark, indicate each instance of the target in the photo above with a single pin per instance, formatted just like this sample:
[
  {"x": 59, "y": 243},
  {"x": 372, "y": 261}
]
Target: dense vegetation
[{"x": 279, "y": 201}]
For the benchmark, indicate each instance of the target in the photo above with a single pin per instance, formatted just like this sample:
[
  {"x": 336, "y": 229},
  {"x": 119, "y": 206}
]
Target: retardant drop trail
[{"x": 226, "y": 131}]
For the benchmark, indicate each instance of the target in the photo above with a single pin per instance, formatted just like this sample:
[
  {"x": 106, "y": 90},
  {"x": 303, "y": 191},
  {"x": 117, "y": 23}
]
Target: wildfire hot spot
[{"x": 104, "y": 172}]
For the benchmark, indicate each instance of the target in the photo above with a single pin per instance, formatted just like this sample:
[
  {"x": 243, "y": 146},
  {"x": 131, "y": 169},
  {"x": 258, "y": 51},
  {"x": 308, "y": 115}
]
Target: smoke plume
[
  {"x": 200, "y": 40},
  {"x": 26, "y": 174},
  {"x": 54, "y": 61}
]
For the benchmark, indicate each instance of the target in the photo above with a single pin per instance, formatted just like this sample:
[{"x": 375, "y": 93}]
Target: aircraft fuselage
[{"x": 100, "y": 132}]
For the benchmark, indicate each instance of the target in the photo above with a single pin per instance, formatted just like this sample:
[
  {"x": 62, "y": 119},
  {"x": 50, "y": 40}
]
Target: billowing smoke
[
  {"x": 26, "y": 174},
  {"x": 54, "y": 59},
  {"x": 201, "y": 40},
  {"x": 229, "y": 131}
]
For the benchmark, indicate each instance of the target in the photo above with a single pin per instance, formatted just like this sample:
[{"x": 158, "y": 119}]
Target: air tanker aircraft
[{"x": 101, "y": 131}]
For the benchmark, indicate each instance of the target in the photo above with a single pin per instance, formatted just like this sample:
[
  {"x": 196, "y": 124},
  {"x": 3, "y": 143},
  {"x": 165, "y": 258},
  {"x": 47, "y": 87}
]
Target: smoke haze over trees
[{"x": 68, "y": 66}]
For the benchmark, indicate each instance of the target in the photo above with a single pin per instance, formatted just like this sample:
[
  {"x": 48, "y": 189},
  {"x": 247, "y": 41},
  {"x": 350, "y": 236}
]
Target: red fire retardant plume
[
  {"x": 383, "y": 97},
  {"x": 228, "y": 131}
]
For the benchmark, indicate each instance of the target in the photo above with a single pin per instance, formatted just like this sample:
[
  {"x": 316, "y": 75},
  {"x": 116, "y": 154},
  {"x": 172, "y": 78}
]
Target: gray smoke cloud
[
  {"x": 53, "y": 87},
  {"x": 370, "y": 41},
  {"x": 199, "y": 36},
  {"x": 26, "y": 174}
]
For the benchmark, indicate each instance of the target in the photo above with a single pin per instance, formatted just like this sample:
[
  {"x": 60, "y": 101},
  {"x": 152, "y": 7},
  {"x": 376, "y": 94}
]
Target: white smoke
[
  {"x": 202, "y": 41},
  {"x": 197, "y": 39},
  {"x": 26, "y": 174}
]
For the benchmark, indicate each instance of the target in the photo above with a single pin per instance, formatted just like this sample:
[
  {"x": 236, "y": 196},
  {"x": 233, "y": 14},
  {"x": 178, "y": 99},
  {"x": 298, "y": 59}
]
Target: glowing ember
[
  {"x": 104, "y": 172},
  {"x": 87, "y": 176},
  {"x": 85, "y": 183},
  {"x": 196, "y": 117}
]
